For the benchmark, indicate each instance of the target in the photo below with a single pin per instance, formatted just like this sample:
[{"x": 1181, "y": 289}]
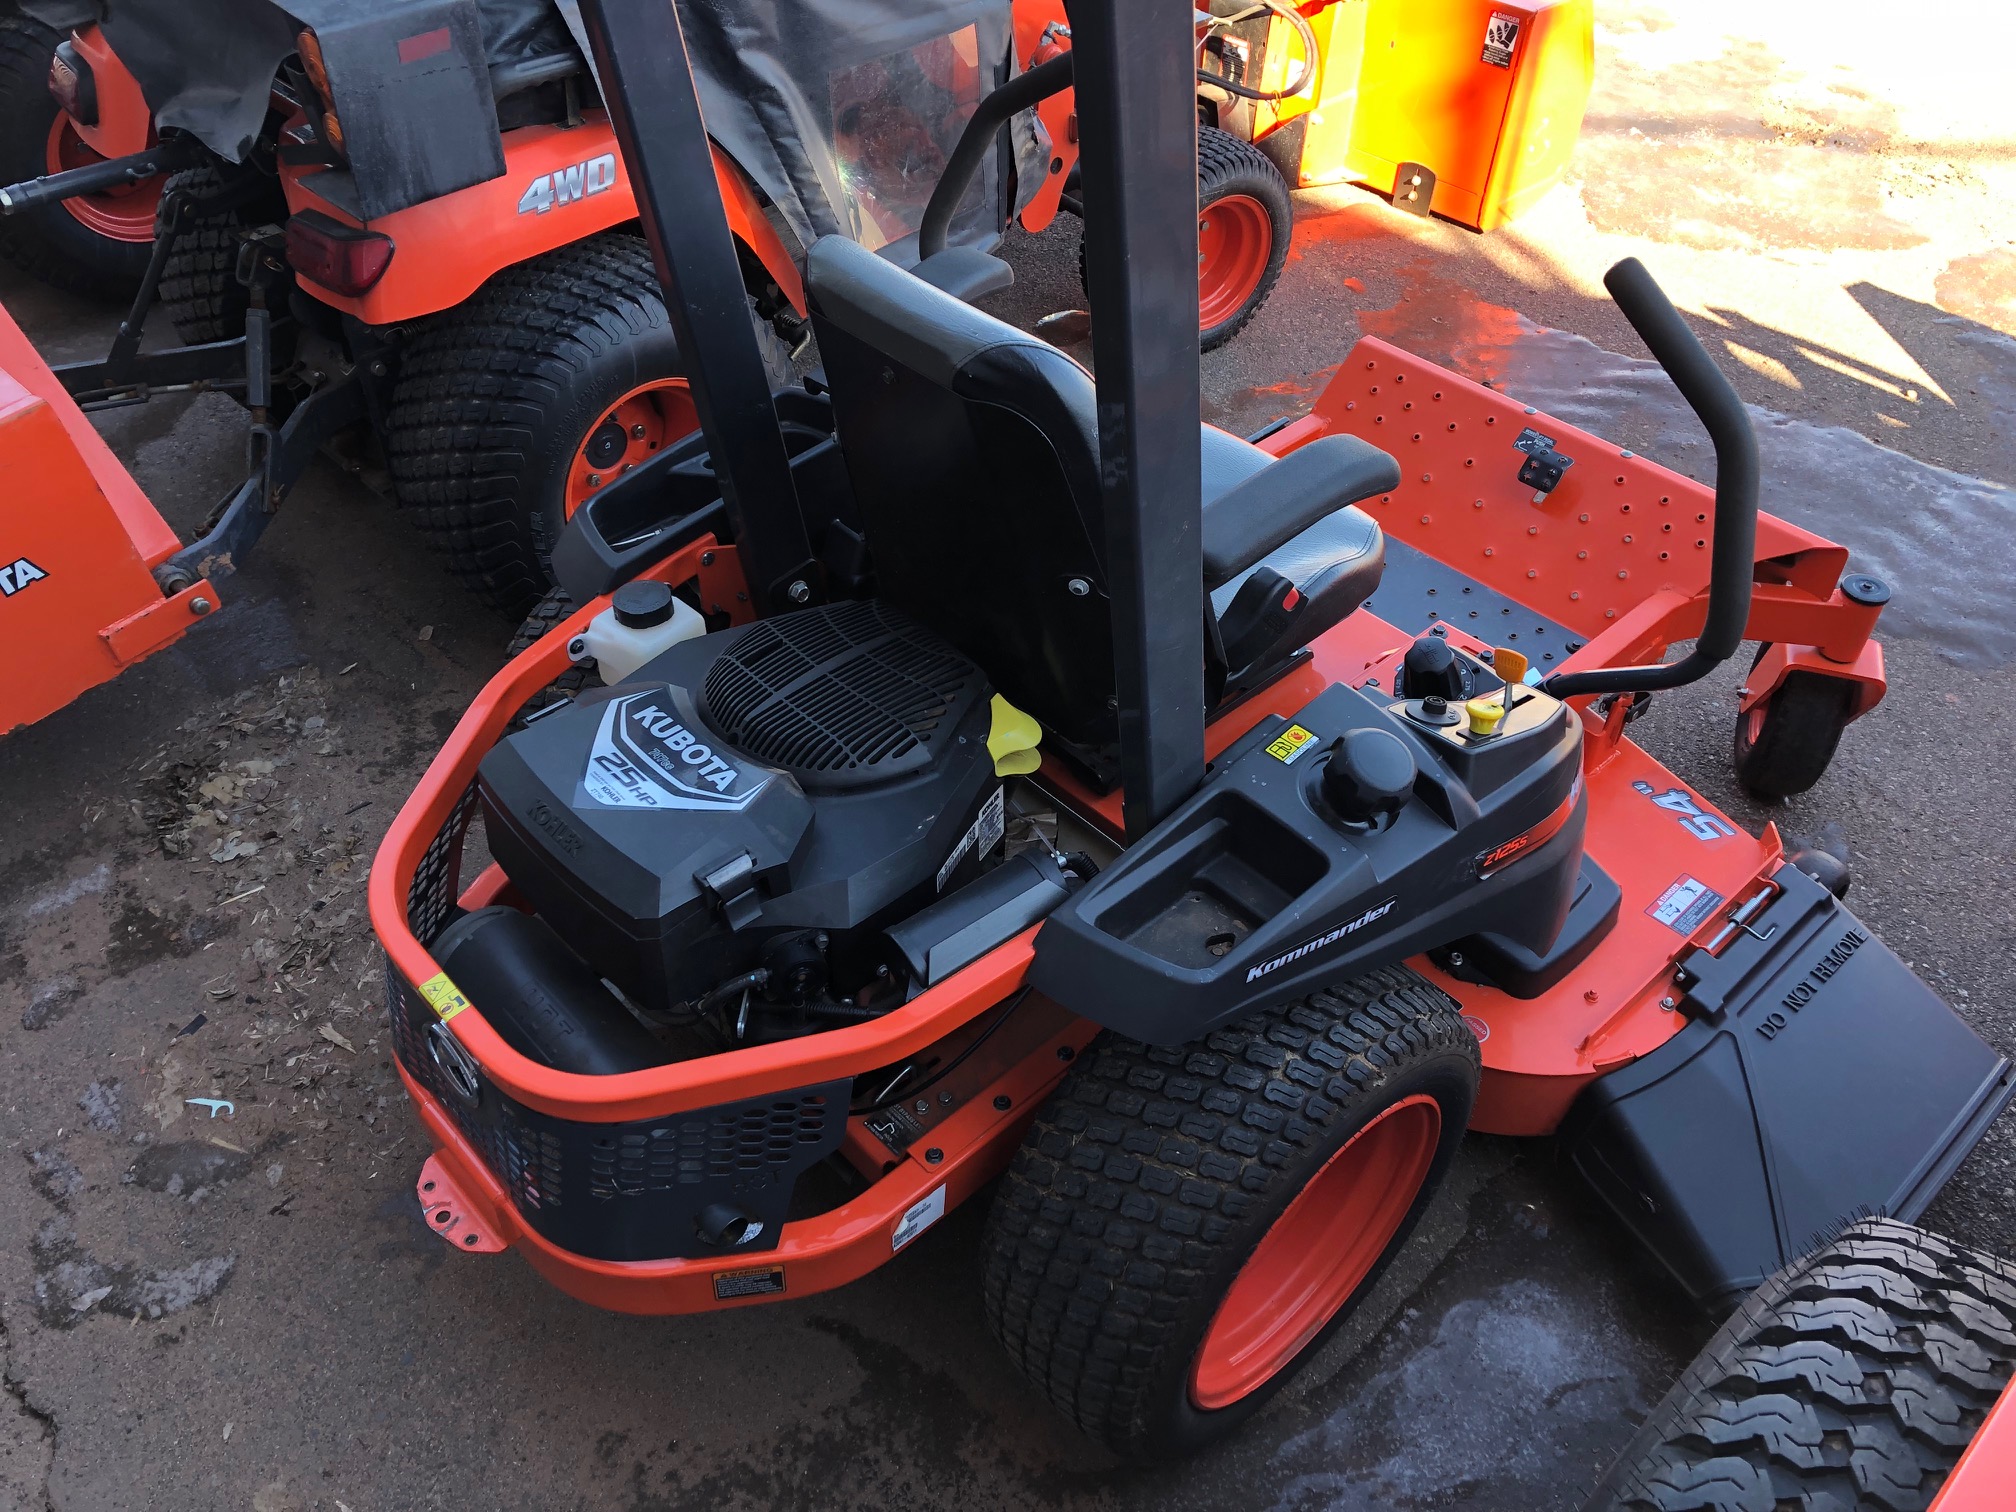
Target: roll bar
[
  {"x": 1715, "y": 402},
  {"x": 993, "y": 111}
]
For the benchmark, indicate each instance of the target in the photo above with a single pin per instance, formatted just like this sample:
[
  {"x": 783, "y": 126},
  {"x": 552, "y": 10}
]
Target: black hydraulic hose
[
  {"x": 1731, "y": 572},
  {"x": 507, "y": 79},
  {"x": 1310, "y": 52},
  {"x": 93, "y": 178},
  {"x": 1017, "y": 95}
]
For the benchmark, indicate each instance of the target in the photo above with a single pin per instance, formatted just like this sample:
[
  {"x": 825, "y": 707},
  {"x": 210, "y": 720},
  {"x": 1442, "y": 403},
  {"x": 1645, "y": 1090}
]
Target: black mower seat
[{"x": 973, "y": 451}]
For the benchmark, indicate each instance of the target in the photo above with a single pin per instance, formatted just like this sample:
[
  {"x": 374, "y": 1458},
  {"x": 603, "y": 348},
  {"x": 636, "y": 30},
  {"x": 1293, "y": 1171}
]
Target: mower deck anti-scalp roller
[{"x": 1205, "y": 834}]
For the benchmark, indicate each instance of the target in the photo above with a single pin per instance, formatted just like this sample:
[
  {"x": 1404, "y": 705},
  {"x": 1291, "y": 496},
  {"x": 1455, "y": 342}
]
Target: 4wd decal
[
  {"x": 568, "y": 185},
  {"x": 644, "y": 757},
  {"x": 1330, "y": 937},
  {"x": 17, "y": 575},
  {"x": 1694, "y": 819}
]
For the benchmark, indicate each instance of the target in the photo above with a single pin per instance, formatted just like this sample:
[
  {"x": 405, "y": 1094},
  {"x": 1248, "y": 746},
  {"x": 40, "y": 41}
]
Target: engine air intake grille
[{"x": 839, "y": 695}]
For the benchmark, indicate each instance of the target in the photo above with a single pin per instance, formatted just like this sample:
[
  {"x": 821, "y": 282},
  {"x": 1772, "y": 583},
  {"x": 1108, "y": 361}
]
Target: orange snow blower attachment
[{"x": 79, "y": 542}]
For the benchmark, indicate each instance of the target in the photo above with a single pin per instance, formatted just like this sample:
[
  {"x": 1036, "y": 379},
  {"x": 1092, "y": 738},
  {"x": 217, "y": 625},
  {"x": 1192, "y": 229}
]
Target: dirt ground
[{"x": 244, "y": 1310}]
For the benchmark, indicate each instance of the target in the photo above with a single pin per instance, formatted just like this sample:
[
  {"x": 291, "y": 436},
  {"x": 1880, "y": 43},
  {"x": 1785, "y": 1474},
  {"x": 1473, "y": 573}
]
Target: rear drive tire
[
  {"x": 1147, "y": 1263},
  {"x": 513, "y": 403},
  {"x": 55, "y": 243},
  {"x": 1850, "y": 1381},
  {"x": 1783, "y": 746}
]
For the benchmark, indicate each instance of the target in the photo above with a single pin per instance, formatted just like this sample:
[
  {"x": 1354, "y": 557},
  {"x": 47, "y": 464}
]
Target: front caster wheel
[
  {"x": 1183, "y": 1227},
  {"x": 1783, "y": 745}
]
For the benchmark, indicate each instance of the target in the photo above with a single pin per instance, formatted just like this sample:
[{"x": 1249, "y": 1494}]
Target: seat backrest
[{"x": 973, "y": 451}]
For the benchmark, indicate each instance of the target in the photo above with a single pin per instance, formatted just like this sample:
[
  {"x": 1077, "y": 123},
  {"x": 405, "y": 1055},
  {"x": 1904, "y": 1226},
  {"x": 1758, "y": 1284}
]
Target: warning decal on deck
[
  {"x": 443, "y": 996},
  {"x": 1290, "y": 744},
  {"x": 1501, "y": 35},
  {"x": 1685, "y": 905},
  {"x": 920, "y": 1215},
  {"x": 729, "y": 1285}
]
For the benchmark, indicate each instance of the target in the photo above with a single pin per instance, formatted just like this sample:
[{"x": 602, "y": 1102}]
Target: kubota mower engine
[{"x": 724, "y": 836}]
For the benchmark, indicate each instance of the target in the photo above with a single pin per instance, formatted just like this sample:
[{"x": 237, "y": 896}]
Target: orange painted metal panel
[
  {"x": 77, "y": 539},
  {"x": 125, "y": 125},
  {"x": 445, "y": 248},
  {"x": 1985, "y": 1478},
  {"x": 1408, "y": 82},
  {"x": 1552, "y": 74}
]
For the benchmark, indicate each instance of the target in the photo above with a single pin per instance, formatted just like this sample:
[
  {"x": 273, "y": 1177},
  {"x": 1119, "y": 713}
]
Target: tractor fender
[
  {"x": 124, "y": 125},
  {"x": 560, "y": 185}
]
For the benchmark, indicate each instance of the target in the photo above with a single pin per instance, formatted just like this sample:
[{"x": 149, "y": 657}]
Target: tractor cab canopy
[{"x": 842, "y": 111}]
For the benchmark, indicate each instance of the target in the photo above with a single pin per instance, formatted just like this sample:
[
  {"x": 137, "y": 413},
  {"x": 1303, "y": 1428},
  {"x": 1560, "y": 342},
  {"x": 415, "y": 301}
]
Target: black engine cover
[{"x": 841, "y": 750}]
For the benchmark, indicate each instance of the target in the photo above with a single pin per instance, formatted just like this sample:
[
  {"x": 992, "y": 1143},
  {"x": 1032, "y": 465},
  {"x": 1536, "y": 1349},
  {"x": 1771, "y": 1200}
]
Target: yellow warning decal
[
  {"x": 443, "y": 996},
  {"x": 1289, "y": 744}
]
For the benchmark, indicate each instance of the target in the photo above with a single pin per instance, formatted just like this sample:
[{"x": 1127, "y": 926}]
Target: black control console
[{"x": 1362, "y": 831}]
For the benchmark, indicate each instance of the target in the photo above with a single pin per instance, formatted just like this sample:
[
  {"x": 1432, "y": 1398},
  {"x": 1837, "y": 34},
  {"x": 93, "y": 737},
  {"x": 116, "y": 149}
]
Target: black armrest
[
  {"x": 965, "y": 272},
  {"x": 1281, "y": 501}
]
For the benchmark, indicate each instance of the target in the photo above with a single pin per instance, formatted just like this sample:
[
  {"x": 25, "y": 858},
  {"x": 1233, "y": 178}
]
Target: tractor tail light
[
  {"x": 71, "y": 82},
  {"x": 342, "y": 259},
  {"x": 317, "y": 70}
]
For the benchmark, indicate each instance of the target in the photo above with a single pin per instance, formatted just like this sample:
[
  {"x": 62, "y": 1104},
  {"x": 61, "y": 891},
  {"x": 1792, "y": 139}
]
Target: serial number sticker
[
  {"x": 1686, "y": 905},
  {"x": 921, "y": 1215},
  {"x": 729, "y": 1285},
  {"x": 443, "y": 996},
  {"x": 1501, "y": 35},
  {"x": 1288, "y": 746}
]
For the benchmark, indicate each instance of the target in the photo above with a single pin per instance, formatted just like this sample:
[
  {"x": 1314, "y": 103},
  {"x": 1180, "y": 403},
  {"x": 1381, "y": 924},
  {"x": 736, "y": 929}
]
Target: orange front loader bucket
[{"x": 78, "y": 545}]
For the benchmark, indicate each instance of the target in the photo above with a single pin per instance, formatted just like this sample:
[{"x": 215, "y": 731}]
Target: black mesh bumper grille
[{"x": 608, "y": 1191}]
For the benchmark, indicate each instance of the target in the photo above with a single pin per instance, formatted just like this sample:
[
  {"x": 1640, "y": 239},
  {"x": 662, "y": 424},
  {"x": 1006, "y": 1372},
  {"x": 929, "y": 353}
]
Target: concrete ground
[{"x": 246, "y": 1312}]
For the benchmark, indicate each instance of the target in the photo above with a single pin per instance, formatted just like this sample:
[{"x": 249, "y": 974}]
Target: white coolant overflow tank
[{"x": 643, "y": 620}]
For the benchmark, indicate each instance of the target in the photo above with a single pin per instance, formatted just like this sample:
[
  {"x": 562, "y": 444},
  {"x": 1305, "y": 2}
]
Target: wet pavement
[{"x": 244, "y": 1311}]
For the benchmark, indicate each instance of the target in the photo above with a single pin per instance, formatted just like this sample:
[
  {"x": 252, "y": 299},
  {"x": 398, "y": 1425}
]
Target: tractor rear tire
[
  {"x": 1244, "y": 221},
  {"x": 1158, "y": 1187},
  {"x": 556, "y": 606},
  {"x": 1850, "y": 1381},
  {"x": 200, "y": 292},
  {"x": 51, "y": 243},
  {"x": 1784, "y": 746},
  {"x": 499, "y": 397}
]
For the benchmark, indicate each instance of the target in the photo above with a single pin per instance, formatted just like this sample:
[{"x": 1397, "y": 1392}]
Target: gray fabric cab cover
[{"x": 842, "y": 111}]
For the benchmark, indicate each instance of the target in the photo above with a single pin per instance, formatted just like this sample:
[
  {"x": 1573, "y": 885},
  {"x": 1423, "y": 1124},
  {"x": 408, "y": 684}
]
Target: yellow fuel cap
[{"x": 1485, "y": 715}]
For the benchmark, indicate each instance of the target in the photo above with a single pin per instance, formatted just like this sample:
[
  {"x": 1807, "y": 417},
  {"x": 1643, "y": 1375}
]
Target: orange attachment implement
[{"x": 78, "y": 544}]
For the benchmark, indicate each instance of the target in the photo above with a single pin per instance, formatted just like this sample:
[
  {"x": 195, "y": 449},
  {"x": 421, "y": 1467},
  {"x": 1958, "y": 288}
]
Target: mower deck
[{"x": 1617, "y": 569}]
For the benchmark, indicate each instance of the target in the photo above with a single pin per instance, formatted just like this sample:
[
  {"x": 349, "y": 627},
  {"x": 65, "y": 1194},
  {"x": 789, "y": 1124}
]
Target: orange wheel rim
[
  {"x": 1317, "y": 1254},
  {"x": 1235, "y": 239},
  {"x": 125, "y": 214},
  {"x": 635, "y": 428}
]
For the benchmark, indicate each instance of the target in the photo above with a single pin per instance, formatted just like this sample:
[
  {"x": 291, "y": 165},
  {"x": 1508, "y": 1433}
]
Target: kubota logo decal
[
  {"x": 568, "y": 185},
  {"x": 17, "y": 575},
  {"x": 644, "y": 757}
]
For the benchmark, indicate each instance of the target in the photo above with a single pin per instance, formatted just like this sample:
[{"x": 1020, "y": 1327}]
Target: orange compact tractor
[
  {"x": 992, "y": 785},
  {"x": 407, "y": 229}
]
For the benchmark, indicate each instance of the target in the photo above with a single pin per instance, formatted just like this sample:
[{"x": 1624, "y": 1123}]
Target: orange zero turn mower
[{"x": 992, "y": 784}]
